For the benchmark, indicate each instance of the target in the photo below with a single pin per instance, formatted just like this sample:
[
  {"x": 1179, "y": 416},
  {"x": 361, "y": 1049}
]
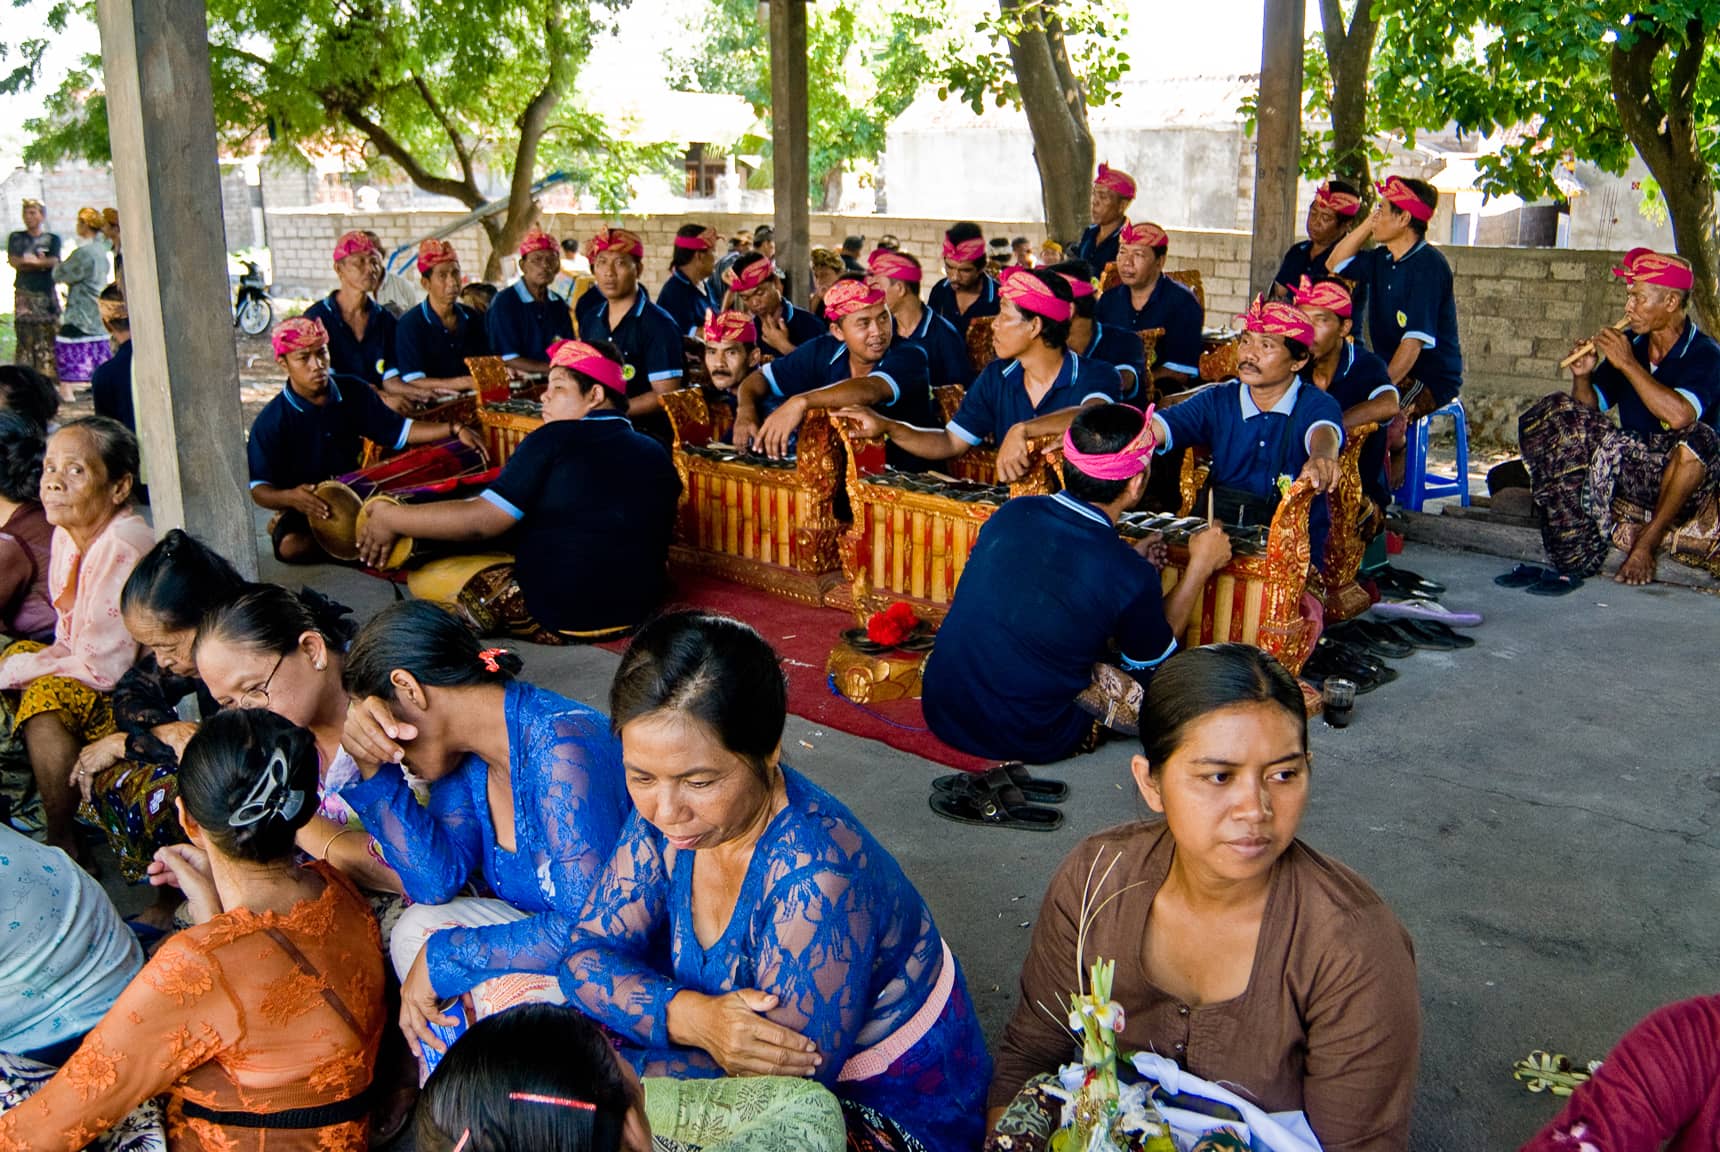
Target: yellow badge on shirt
[
  {"x": 379, "y": 366},
  {"x": 1403, "y": 321},
  {"x": 627, "y": 371}
]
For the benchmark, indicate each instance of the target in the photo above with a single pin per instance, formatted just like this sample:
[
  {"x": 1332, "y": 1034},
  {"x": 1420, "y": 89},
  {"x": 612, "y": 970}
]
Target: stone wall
[{"x": 1519, "y": 309}]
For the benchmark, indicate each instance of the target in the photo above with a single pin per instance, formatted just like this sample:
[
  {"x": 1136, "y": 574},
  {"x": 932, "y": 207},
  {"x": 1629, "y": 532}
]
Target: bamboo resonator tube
[{"x": 1588, "y": 346}]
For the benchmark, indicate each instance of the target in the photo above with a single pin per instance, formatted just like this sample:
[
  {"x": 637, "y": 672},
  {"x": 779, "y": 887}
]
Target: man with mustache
[
  {"x": 1331, "y": 214},
  {"x": 731, "y": 355}
]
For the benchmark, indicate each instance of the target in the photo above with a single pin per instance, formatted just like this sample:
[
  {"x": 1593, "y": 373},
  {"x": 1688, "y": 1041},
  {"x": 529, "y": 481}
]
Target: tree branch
[
  {"x": 390, "y": 147},
  {"x": 461, "y": 151},
  {"x": 1639, "y": 109}
]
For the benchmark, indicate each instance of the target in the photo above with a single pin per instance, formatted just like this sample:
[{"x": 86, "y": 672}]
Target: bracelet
[{"x": 337, "y": 836}]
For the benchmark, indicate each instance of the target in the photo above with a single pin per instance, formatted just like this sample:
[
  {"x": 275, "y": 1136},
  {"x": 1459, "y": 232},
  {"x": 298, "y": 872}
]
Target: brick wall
[{"x": 1519, "y": 309}]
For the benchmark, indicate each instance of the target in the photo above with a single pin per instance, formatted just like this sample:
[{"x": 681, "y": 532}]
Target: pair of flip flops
[
  {"x": 1391, "y": 579},
  {"x": 1539, "y": 581},
  {"x": 1007, "y": 796},
  {"x": 1430, "y": 634},
  {"x": 1376, "y": 637},
  {"x": 1418, "y": 608},
  {"x": 1335, "y": 658}
]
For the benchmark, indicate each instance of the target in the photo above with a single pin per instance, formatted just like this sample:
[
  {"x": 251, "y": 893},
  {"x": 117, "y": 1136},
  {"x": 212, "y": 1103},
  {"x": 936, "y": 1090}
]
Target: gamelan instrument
[
  {"x": 508, "y": 422},
  {"x": 408, "y": 551},
  {"x": 411, "y": 471},
  {"x": 980, "y": 464},
  {"x": 1588, "y": 346}
]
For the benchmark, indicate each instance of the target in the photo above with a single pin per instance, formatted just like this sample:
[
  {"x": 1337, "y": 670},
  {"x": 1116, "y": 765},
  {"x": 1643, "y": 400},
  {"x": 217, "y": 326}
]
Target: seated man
[
  {"x": 526, "y": 318},
  {"x": 1118, "y": 347},
  {"x": 1664, "y": 381},
  {"x": 1263, "y": 426},
  {"x": 966, "y": 292},
  {"x": 594, "y": 502},
  {"x": 731, "y": 355},
  {"x": 360, "y": 331},
  {"x": 1331, "y": 214},
  {"x": 858, "y": 363},
  {"x": 1354, "y": 377},
  {"x": 683, "y": 293},
  {"x": 898, "y": 276},
  {"x": 1023, "y": 668},
  {"x": 756, "y": 285},
  {"x": 433, "y": 340},
  {"x": 1412, "y": 311},
  {"x": 1034, "y": 387},
  {"x": 314, "y": 431},
  {"x": 396, "y": 294},
  {"x": 110, "y": 383},
  {"x": 1149, "y": 299},
  {"x": 650, "y": 343},
  {"x": 1113, "y": 192}
]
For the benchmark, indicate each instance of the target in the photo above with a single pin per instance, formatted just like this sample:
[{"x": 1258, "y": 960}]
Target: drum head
[
  {"x": 401, "y": 550},
  {"x": 338, "y": 535}
]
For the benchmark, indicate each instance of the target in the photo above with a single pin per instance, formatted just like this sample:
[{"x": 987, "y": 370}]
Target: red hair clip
[
  {"x": 558, "y": 1101},
  {"x": 488, "y": 656}
]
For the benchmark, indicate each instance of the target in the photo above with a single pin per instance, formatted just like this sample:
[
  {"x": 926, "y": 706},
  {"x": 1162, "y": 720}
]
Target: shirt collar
[
  {"x": 1416, "y": 247},
  {"x": 523, "y": 292},
  {"x": 1678, "y": 349},
  {"x": 925, "y": 327},
  {"x": 1082, "y": 508},
  {"x": 298, "y": 405},
  {"x": 1285, "y": 406}
]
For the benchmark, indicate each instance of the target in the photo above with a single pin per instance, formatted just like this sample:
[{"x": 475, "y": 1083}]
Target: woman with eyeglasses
[{"x": 274, "y": 649}]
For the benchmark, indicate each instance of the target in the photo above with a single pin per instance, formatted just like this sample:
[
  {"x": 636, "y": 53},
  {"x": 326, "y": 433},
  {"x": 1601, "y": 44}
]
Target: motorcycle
[{"x": 253, "y": 312}]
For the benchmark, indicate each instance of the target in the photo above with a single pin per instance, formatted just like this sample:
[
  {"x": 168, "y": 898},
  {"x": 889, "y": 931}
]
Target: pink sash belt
[{"x": 876, "y": 1060}]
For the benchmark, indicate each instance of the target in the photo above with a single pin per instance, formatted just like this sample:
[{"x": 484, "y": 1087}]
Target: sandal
[
  {"x": 1411, "y": 582},
  {"x": 1410, "y": 632},
  {"x": 1417, "y": 609},
  {"x": 1521, "y": 576},
  {"x": 976, "y": 800},
  {"x": 1439, "y": 633},
  {"x": 1554, "y": 583},
  {"x": 1373, "y": 637},
  {"x": 1035, "y": 789}
]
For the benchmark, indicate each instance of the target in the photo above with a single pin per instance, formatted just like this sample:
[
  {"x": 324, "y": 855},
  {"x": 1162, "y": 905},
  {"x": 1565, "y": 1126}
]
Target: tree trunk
[
  {"x": 1056, "y": 111},
  {"x": 564, "y": 58},
  {"x": 1664, "y": 131},
  {"x": 1349, "y": 57}
]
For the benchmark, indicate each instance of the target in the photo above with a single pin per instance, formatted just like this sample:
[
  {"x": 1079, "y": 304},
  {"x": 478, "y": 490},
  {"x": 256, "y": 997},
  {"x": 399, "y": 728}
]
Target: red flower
[{"x": 893, "y": 625}]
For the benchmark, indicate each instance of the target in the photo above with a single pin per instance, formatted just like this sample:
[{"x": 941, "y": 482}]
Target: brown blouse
[{"x": 1330, "y": 1023}]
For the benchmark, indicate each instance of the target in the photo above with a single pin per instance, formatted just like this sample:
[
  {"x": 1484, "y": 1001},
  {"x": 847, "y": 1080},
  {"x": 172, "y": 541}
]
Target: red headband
[
  {"x": 1028, "y": 293},
  {"x": 967, "y": 252},
  {"x": 1328, "y": 294},
  {"x": 1112, "y": 180},
  {"x": 1126, "y": 462},
  {"x": 893, "y": 266},
  {"x": 703, "y": 242},
  {"x": 1646, "y": 266},
  {"x": 1400, "y": 195},
  {"x": 1144, "y": 235},
  {"x": 297, "y": 334},
  {"x": 615, "y": 240},
  {"x": 537, "y": 240},
  {"x": 434, "y": 252},
  {"x": 577, "y": 356},
  {"x": 846, "y": 297},
  {"x": 1277, "y": 319},
  {"x": 1081, "y": 288},
  {"x": 353, "y": 244},
  {"x": 750, "y": 277},
  {"x": 727, "y": 327},
  {"x": 1342, "y": 203}
]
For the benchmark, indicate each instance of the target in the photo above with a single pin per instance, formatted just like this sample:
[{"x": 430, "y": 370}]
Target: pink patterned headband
[
  {"x": 967, "y": 252},
  {"x": 1128, "y": 461},
  {"x": 1029, "y": 293}
]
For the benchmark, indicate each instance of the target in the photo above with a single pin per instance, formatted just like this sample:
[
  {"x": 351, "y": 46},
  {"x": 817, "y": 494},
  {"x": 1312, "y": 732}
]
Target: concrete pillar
[
  {"x": 790, "y": 153},
  {"x": 161, "y": 119},
  {"x": 1278, "y": 140}
]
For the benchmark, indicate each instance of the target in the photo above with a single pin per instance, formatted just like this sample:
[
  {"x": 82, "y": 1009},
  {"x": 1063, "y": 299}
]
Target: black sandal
[
  {"x": 1521, "y": 576},
  {"x": 1035, "y": 789},
  {"x": 1554, "y": 583},
  {"x": 976, "y": 800}
]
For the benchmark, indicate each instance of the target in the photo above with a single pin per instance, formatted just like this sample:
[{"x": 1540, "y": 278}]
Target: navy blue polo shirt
[
  {"x": 1047, "y": 589},
  {"x": 942, "y": 300},
  {"x": 1301, "y": 260},
  {"x": 684, "y": 301},
  {"x": 520, "y": 326},
  {"x": 997, "y": 401},
  {"x": 425, "y": 348},
  {"x": 825, "y": 361},
  {"x": 110, "y": 387},
  {"x": 1691, "y": 369},
  {"x": 1412, "y": 298},
  {"x": 596, "y": 503},
  {"x": 295, "y": 442},
  {"x": 1250, "y": 448},
  {"x": 944, "y": 348},
  {"x": 1171, "y": 306},
  {"x": 1360, "y": 377},
  {"x": 649, "y": 341},
  {"x": 1096, "y": 252},
  {"x": 802, "y": 326},
  {"x": 370, "y": 359},
  {"x": 1119, "y": 348}
]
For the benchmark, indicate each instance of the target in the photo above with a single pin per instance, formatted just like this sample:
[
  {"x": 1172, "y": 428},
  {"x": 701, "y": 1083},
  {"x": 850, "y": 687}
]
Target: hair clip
[
  {"x": 488, "y": 656},
  {"x": 557, "y": 1101},
  {"x": 462, "y": 1141},
  {"x": 269, "y": 796}
]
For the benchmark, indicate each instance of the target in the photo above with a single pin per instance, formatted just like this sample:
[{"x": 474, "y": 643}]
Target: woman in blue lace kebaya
[
  {"x": 525, "y": 791},
  {"x": 748, "y": 923}
]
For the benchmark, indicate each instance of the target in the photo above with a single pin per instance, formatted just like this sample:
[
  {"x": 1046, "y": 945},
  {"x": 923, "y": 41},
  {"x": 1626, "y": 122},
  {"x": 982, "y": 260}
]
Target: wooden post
[
  {"x": 790, "y": 153},
  {"x": 1278, "y": 140},
  {"x": 161, "y": 119}
]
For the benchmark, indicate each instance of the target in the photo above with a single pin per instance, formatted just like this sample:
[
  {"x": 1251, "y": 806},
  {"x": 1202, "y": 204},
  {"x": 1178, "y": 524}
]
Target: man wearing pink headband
[
  {"x": 1412, "y": 309},
  {"x": 1118, "y": 347},
  {"x": 1351, "y": 375},
  {"x": 1034, "y": 387},
  {"x": 754, "y": 284},
  {"x": 1264, "y": 425},
  {"x": 1113, "y": 192},
  {"x": 361, "y": 332},
  {"x": 1040, "y": 685},
  {"x": 315, "y": 430},
  {"x": 528, "y": 316},
  {"x": 857, "y": 363},
  {"x": 683, "y": 293},
  {"x": 1662, "y": 376},
  {"x": 1147, "y": 299},
  {"x": 966, "y": 292},
  {"x": 588, "y": 503},
  {"x": 1331, "y": 213},
  {"x": 731, "y": 355},
  {"x": 649, "y": 339},
  {"x": 899, "y": 276},
  {"x": 433, "y": 341}
]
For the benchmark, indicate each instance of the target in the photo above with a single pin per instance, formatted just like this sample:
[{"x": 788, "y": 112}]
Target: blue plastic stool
[{"x": 1419, "y": 486}]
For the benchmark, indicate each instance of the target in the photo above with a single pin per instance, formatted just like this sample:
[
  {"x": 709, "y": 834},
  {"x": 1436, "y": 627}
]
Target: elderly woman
[
  {"x": 83, "y": 343},
  {"x": 62, "y": 688},
  {"x": 748, "y": 923},
  {"x": 1241, "y": 953}
]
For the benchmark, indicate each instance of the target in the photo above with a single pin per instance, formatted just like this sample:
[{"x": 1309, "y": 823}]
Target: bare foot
[{"x": 1638, "y": 568}]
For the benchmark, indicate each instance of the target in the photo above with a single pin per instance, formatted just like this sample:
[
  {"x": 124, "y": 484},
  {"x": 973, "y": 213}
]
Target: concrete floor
[{"x": 1540, "y": 810}]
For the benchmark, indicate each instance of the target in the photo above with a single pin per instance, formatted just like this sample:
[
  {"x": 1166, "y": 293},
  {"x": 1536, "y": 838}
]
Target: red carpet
[{"x": 804, "y": 636}]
